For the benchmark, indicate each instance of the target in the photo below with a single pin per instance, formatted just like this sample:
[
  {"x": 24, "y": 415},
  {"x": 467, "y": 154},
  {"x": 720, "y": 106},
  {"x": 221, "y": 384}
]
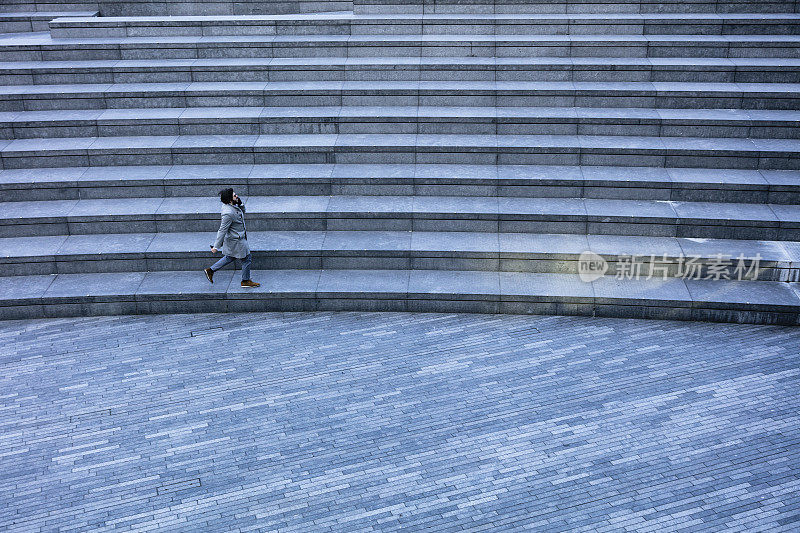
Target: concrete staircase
[{"x": 406, "y": 155}]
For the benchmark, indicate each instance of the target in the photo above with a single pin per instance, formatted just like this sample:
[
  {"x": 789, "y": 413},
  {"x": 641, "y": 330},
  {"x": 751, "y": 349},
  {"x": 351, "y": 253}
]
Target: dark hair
[{"x": 226, "y": 196}]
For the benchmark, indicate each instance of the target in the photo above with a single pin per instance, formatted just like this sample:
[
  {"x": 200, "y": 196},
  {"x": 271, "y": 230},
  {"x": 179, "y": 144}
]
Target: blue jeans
[{"x": 228, "y": 259}]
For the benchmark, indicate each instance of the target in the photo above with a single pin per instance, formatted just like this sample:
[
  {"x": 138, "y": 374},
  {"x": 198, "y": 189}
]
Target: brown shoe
[
  {"x": 209, "y": 274},
  {"x": 250, "y": 283}
]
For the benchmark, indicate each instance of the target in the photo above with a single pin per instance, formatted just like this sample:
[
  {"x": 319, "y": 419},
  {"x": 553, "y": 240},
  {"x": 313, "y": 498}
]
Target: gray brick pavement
[{"x": 384, "y": 421}]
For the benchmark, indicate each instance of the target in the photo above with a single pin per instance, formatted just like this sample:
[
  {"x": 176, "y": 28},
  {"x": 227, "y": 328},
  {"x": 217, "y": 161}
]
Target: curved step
[
  {"x": 422, "y": 24},
  {"x": 409, "y": 213},
  {"x": 778, "y": 154},
  {"x": 624, "y": 256},
  {"x": 33, "y": 47},
  {"x": 398, "y": 290},
  {"x": 544, "y": 69},
  {"x": 626, "y": 183},
  {"x": 401, "y": 119},
  {"x": 747, "y": 96}
]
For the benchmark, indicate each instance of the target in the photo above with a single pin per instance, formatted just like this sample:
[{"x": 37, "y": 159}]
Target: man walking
[{"x": 232, "y": 238}]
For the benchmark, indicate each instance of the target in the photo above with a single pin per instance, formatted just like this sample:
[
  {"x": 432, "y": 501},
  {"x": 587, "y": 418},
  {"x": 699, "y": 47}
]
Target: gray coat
[{"x": 232, "y": 234}]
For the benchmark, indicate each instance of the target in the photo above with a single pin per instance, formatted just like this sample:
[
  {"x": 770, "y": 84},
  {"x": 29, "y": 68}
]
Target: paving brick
[{"x": 397, "y": 421}]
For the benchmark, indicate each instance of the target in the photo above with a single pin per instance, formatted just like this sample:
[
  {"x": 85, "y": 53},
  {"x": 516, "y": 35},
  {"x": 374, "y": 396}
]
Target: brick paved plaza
[{"x": 382, "y": 421}]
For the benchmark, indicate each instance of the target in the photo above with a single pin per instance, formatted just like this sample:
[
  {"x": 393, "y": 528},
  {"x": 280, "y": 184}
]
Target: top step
[
  {"x": 114, "y": 8},
  {"x": 576, "y": 6},
  {"x": 49, "y": 6}
]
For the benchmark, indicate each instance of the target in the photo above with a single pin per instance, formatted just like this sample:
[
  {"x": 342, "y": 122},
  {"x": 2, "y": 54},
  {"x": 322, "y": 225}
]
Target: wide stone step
[
  {"x": 575, "y": 6},
  {"x": 401, "y": 119},
  {"x": 432, "y": 24},
  {"x": 528, "y": 181},
  {"x": 37, "y": 47},
  {"x": 761, "y": 302},
  {"x": 617, "y": 150},
  {"x": 628, "y": 257},
  {"x": 170, "y": 8},
  {"x": 549, "y": 69},
  {"x": 777, "y": 96},
  {"x": 34, "y": 21},
  {"x": 408, "y": 213}
]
